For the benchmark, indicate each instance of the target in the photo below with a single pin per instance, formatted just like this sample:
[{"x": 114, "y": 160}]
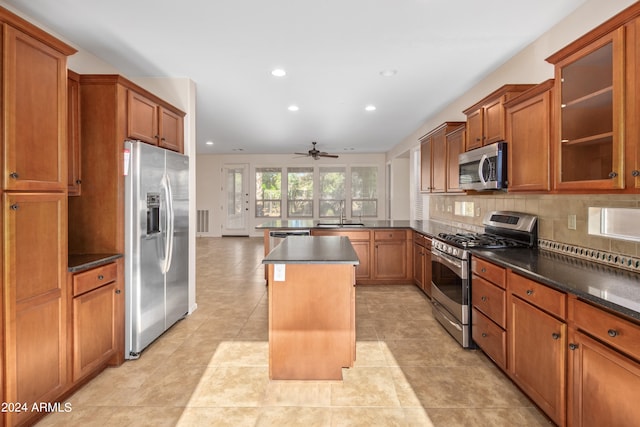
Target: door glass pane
[{"x": 235, "y": 218}]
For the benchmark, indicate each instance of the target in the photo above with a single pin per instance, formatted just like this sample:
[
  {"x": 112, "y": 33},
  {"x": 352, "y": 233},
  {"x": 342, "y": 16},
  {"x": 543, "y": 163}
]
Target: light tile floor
[{"x": 211, "y": 369}]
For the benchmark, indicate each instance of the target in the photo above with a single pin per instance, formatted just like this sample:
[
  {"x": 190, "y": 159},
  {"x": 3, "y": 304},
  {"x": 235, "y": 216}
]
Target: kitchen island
[{"x": 311, "y": 308}]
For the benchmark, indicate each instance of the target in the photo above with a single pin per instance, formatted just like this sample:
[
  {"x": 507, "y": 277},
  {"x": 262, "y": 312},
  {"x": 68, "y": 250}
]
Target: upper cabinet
[
  {"x": 455, "y": 141},
  {"x": 35, "y": 88},
  {"x": 74, "y": 179},
  {"x": 529, "y": 118},
  {"x": 155, "y": 123},
  {"x": 486, "y": 121},
  {"x": 436, "y": 158}
]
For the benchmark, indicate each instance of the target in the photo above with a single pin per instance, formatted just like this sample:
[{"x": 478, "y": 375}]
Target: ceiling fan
[{"x": 316, "y": 154}]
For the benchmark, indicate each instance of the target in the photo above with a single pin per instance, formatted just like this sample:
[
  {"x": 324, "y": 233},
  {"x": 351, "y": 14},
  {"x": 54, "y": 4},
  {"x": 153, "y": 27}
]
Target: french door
[{"x": 236, "y": 199}]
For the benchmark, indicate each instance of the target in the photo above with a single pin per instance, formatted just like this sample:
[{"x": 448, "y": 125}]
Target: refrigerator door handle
[{"x": 166, "y": 186}]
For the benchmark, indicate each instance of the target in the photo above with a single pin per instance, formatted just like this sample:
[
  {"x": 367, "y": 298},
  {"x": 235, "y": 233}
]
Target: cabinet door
[
  {"x": 74, "y": 174},
  {"x": 455, "y": 146},
  {"x": 494, "y": 122},
  {"x": 94, "y": 329},
  {"x": 590, "y": 142},
  {"x": 438, "y": 162},
  {"x": 529, "y": 133},
  {"x": 390, "y": 259},
  {"x": 362, "y": 248},
  {"x": 474, "y": 129},
  {"x": 418, "y": 265},
  {"x": 171, "y": 130},
  {"x": 537, "y": 351},
  {"x": 35, "y": 88},
  {"x": 34, "y": 273},
  {"x": 603, "y": 385},
  {"x": 142, "y": 118},
  {"x": 425, "y": 165},
  {"x": 427, "y": 268}
]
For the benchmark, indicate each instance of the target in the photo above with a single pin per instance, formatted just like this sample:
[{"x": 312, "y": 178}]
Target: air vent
[{"x": 203, "y": 221}]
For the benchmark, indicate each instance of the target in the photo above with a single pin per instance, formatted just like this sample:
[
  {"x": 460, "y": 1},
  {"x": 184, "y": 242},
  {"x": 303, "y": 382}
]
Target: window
[
  {"x": 300, "y": 192},
  {"x": 332, "y": 180},
  {"x": 268, "y": 192},
  {"x": 364, "y": 191}
]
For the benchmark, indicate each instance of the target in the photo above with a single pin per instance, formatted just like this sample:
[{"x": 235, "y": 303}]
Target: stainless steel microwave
[{"x": 484, "y": 168}]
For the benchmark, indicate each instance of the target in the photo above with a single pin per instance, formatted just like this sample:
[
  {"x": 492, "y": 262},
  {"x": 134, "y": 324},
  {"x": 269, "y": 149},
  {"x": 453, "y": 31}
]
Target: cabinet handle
[
  {"x": 613, "y": 174},
  {"x": 478, "y": 139},
  {"x": 14, "y": 175},
  {"x": 483, "y": 270},
  {"x": 612, "y": 333},
  {"x": 100, "y": 277},
  {"x": 529, "y": 292},
  {"x": 484, "y": 335},
  {"x": 555, "y": 336},
  {"x": 156, "y": 136},
  {"x": 163, "y": 139},
  {"x": 14, "y": 207},
  {"x": 635, "y": 173},
  {"x": 78, "y": 181},
  {"x": 573, "y": 346},
  {"x": 118, "y": 291},
  {"x": 483, "y": 298}
]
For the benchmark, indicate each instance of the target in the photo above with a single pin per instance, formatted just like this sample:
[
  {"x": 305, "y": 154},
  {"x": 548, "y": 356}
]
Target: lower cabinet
[
  {"x": 95, "y": 322},
  {"x": 361, "y": 242},
  {"x": 390, "y": 259},
  {"x": 422, "y": 262}
]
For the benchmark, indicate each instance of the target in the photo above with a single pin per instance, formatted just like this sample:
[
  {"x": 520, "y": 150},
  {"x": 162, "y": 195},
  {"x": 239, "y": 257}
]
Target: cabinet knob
[
  {"x": 529, "y": 292},
  {"x": 163, "y": 139},
  {"x": 78, "y": 181},
  {"x": 14, "y": 207},
  {"x": 573, "y": 346},
  {"x": 118, "y": 291},
  {"x": 14, "y": 175},
  {"x": 100, "y": 277},
  {"x": 156, "y": 136},
  {"x": 555, "y": 336},
  {"x": 613, "y": 174},
  {"x": 483, "y": 298},
  {"x": 484, "y": 335},
  {"x": 635, "y": 173},
  {"x": 612, "y": 333},
  {"x": 483, "y": 270}
]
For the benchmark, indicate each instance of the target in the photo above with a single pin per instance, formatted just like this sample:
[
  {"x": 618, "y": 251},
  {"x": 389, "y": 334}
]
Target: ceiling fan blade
[
  {"x": 302, "y": 154},
  {"x": 334, "y": 156}
]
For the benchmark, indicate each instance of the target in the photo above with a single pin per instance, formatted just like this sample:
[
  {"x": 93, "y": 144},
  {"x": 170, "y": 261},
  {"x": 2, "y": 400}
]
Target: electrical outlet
[
  {"x": 571, "y": 222},
  {"x": 449, "y": 208}
]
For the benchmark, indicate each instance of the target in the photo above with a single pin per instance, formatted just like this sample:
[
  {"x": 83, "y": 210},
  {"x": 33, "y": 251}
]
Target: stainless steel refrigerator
[{"x": 156, "y": 243}]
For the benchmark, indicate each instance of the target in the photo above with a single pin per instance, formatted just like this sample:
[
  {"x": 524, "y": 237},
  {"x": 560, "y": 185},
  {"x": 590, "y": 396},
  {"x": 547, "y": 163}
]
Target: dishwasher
[{"x": 277, "y": 236}]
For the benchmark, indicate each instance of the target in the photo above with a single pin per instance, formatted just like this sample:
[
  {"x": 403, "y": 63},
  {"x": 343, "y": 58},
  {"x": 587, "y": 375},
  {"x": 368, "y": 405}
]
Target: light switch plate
[
  {"x": 278, "y": 273},
  {"x": 571, "y": 222}
]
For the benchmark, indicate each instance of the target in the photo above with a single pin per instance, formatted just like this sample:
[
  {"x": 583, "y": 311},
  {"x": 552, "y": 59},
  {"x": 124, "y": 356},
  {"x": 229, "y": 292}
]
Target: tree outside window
[
  {"x": 300, "y": 192},
  {"x": 268, "y": 192},
  {"x": 332, "y": 193},
  {"x": 364, "y": 191}
]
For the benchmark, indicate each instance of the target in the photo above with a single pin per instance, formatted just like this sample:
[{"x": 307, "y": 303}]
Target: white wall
[
  {"x": 210, "y": 195},
  {"x": 528, "y": 66},
  {"x": 400, "y": 191}
]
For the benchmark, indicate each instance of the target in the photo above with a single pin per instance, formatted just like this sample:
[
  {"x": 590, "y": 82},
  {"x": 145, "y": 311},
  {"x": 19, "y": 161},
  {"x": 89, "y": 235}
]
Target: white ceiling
[{"x": 332, "y": 50}]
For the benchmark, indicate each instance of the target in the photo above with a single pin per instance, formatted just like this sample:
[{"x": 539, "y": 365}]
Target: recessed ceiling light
[
  {"x": 370, "y": 108},
  {"x": 293, "y": 108},
  {"x": 278, "y": 72},
  {"x": 388, "y": 73},
  {"x": 209, "y": 142}
]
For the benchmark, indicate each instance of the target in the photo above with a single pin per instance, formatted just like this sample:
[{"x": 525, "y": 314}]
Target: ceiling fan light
[
  {"x": 370, "y": 108},
  {"x": 293, "y": 108},
  {"x": 278, "y": 72}
]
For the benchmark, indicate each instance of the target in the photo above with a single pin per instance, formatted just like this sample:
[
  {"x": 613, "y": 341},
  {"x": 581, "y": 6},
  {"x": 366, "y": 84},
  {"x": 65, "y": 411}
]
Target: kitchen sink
[{"x": 338, "y": 225}]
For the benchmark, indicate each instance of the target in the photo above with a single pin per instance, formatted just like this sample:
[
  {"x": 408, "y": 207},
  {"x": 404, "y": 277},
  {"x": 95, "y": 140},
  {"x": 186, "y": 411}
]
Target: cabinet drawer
[
  {"x": 490, "y": 338},
  {"x": 615, "y": 331},
  {"x": 352, "y": 235},
  {"x": 489, "y": 299},
  {"x": 491, "y": 272},
  {"x": 548, "y": 299},
  {"x": 419, "y": 239},
  {"x": 94, "y": 278},
  {"x": 390, "y": 235}
]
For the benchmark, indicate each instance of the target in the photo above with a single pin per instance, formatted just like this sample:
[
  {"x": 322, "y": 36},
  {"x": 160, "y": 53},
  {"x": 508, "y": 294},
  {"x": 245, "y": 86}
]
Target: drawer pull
[
  {"x": 573, "y": 346},
  {"x": 483, "y": 298},
  {"x": 612, "y": 333},
  {"x": 555, "y": 336},
  {"x": 484, "y": 270},
  {"x": 14, "y": 175},
  {"x": 100, "y": 277},
  {"x": 529, "y": 292},
  {"x": 484, "y": 335},
  {"x": 118, "y": 291}
]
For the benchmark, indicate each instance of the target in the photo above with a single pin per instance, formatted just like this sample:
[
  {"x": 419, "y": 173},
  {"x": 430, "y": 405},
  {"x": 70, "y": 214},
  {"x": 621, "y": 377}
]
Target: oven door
[{"x": 450, "y": 284}]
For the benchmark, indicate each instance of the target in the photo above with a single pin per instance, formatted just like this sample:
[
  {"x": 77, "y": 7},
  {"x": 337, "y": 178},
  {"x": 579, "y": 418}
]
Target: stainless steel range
[{"x": 450, "y": 264}]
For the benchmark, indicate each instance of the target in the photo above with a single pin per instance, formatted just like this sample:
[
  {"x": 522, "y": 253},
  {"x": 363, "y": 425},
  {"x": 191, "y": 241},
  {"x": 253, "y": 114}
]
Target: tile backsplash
[{"x": 561, "y": 218}]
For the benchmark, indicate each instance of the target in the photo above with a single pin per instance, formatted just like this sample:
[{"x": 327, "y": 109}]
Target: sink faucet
[{"x": 342, "y": 216}]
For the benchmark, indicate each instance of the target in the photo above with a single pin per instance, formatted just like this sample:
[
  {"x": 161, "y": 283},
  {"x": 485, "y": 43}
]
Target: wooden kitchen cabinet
[
  {"x": 434, "y": 160},
  {"x": 604, "y": 373},
  {"x": 361, "y": 242},
  {"x": 455, "y": 141},
  {"x": 422, "y": 262},
  {"x": 74, "y": 168},
  {"x": 537, "y": 343},
  {"x": 489, "y": 310},
  {"x": 96, "y": 328},
  {"x": 486, "y": 119},
  {"x": 153, "y": 123},
  {"x": 529, "y": 129},
  {"x": 392, "y": 255}
]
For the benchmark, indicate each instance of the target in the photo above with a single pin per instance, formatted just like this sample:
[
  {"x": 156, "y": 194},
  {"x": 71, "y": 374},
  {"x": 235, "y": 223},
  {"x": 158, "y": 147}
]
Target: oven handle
[
  {"x": 454, "y": 264},
  {"x": 442, "y": 313}
]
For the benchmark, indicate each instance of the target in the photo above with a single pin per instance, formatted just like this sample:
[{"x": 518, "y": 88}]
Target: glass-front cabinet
[{"x": 589, "y": 149}]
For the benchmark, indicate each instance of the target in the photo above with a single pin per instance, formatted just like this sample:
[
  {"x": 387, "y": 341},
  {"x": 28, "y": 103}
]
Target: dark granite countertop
[
  {"x": 81, "y": 262},
  {"x": 429, "y": 228},
  {"x": 614, "y": 288},
  {"x": 313, "y": 250}
]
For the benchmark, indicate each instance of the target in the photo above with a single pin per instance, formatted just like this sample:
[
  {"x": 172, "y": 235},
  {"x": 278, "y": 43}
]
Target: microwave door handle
[{"x": 483, "y": 159}]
